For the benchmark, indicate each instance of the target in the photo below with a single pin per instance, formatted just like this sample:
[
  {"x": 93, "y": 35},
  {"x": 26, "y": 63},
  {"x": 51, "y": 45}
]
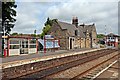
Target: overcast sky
[{"x": 32, "y": 15}]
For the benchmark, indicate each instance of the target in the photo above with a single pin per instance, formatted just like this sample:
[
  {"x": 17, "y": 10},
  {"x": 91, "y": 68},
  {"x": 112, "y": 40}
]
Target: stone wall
[
  {"x": 77, "y": 43},
  {"x": 63, "y": 36},
  {"x": 94, "y": 35},
  {"x": 88, "y": 43},
  {"x": 59, "y": 34},
  {"x": 82, "y": 42}
]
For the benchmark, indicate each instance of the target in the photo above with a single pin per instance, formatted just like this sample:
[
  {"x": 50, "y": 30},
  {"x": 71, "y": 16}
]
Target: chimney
[
  {"x": 75, "y": 21},
  {"x": 93, "y": 24}
]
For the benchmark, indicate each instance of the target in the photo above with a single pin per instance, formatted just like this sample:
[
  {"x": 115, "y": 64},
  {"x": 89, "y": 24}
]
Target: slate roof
[
  {"x": 81, "y": 32},
  {"x": 87, "y": 28},
  {"x": 71, "y": 29},
  {"x": 81, "y": 29},
  {"x": 111, "y": 34}
]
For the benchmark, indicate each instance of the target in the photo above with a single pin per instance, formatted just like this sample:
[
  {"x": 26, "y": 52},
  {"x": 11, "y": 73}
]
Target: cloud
[
  {"x": 27, "y": 17},
  {"x": 32, "y": 15},
  {"x": 100, "y": 13}
]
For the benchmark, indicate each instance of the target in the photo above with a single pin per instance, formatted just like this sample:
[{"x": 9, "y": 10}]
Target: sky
[{"x": 31, "y": 15}]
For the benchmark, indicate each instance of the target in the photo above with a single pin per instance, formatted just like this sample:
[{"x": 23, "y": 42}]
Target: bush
[{"x": 119, "y": 46}]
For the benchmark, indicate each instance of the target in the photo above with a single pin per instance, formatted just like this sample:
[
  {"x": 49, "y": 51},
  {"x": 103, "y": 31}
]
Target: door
[
  {"x": 23, "y": 46},
  {"x": 70, "y": 43}
]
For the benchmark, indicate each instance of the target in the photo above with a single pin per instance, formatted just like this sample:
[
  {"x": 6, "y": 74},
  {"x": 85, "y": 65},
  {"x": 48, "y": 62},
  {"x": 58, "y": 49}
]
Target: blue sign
[
  {"x": 49, "y": 37},
  {"x": 50, "y": 44}
]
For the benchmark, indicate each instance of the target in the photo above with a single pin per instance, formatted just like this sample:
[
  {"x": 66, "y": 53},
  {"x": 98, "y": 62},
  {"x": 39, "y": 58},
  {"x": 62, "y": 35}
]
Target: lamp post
[
  {"x": 4, "y": 32},
  {"x": 0, "y": 37}
]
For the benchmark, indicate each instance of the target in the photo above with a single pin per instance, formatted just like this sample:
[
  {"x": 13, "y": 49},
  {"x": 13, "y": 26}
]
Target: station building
[{"x": 72, "y": 35}]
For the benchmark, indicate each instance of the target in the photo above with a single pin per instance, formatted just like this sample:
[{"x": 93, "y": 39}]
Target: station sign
[{"x": 49, "y": 37}]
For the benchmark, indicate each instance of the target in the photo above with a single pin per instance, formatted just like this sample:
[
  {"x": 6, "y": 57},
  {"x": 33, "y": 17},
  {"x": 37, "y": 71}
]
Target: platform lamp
[{"x": 36, "y": 39}]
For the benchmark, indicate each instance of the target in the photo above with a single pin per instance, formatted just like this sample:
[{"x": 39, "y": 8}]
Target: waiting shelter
[{"x": 16, "y": 45}]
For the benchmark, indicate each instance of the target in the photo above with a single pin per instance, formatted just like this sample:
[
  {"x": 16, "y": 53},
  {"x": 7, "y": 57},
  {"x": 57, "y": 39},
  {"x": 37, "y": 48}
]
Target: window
[
  {"x": 14, "y": 46},
  {"x": 14, "y": 42},
  {"x": 76, "y": 32},
  {"x": 32, "y": 46},
  {"x": 32, "y": 41},
  {"x": 24, "y": 46},
  {"x": 84, "y": 33}
]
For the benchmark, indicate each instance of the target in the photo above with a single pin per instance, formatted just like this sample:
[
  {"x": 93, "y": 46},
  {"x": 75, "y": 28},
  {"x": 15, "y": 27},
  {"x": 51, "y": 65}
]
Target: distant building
[
  {"x": 112, "y": 40},
  {"x": 73, "y": 36}
]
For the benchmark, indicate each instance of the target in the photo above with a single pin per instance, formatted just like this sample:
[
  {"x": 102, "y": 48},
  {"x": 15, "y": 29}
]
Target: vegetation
[
  {"x": 8, "y": 16},
  {"x": 119, "y": 45},
  {"x": 48, "y": 22},
  {"x": 13, "y": 34},
  {"x": 101, "y": 42},
  {"x": 19, "y": 34},
  {"x": 47, "y": 27},
  {"x": 45, "y": 30},
  {"x": 100, "y": 35}
]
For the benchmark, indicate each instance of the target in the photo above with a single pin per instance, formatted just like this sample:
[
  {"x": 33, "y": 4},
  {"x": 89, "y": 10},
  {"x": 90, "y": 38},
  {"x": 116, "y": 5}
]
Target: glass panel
[
  {"x": 32, "y": 41},
  {"x": 14, "y": 42},
  {"x": 14, "y": 46},
  {"x": 32, "y": 46},
  {"x": 24, "y": 46}
]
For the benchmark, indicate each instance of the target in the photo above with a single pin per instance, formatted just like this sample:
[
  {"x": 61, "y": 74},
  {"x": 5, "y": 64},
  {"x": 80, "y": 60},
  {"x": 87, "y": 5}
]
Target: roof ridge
[{"x": 66, "y": 23}]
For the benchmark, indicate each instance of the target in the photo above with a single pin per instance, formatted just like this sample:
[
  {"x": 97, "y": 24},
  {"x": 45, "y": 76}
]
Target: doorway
[
  {"x": 23, "y": 46},
  {"x": 70, "y": 43}
]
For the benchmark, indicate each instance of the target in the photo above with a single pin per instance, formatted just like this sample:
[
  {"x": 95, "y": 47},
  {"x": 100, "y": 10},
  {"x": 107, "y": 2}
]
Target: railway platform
[{"x": 26, "y": 59}]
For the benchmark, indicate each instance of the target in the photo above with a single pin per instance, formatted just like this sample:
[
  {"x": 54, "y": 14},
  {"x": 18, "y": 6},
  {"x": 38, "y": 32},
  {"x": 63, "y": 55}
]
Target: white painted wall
[
  {"x": 32, "y": 50},
  {"x": 14, "y": 52},
  {"x": 116, "y": 39}
]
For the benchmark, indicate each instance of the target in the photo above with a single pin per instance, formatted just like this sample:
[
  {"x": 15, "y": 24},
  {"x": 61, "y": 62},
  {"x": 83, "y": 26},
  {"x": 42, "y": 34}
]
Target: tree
[
  {"x": 34, "y": 35},
  {"x": 100, "y": 35},
  {"x": 8, "y": 14},
  {"x": 47, "y": 27},
  {"x": 45, "y": 30},
  {"x": 48, "y": 22},
  {"x": 14, "y": 34}
]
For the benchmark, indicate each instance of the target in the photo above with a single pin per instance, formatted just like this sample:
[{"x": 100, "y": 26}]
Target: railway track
[
  {"x": 97, "y": 69},
  {"x": 43, "y": 65},
  {"x": 67, "y": 65}
]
